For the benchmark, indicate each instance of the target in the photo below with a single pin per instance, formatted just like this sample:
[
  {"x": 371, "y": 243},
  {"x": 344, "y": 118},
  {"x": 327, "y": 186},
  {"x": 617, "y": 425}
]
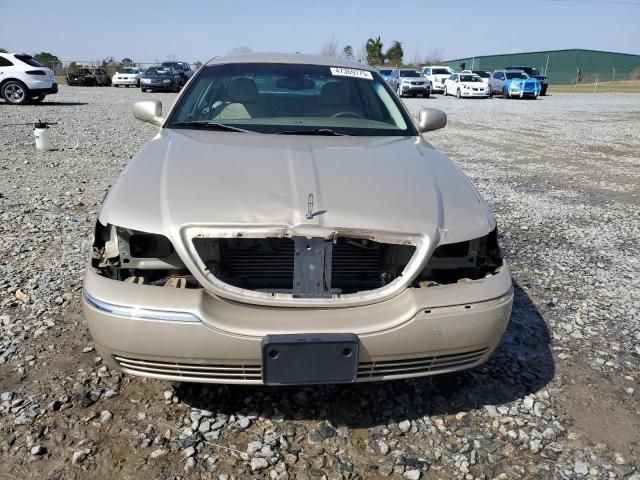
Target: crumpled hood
[{"x": 385, "y": 184}]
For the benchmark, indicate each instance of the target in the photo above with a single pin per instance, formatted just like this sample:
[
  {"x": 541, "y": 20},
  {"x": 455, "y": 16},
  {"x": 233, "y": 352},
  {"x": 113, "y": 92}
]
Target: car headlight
[
  {"x": 166, "y": 80},
  {"x": 146, "y": 80}
]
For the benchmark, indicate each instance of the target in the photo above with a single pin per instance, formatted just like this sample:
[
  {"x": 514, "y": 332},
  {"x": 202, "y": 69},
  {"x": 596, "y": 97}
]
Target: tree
[
  {"x": 330, "y": 48},
  {"x": 126, "y": 61},
  {"x": 347, "y": 52},
  {"x": 395, "y": 53},
  {"x": 47, "y": 59},
  {"x": 374, "y": 51},
  {"x": 197, "y": 64},
  {"x": 242, "y": 50}
]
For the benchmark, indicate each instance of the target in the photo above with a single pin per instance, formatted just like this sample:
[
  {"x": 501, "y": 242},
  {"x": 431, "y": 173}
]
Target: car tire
[
  {"x": 505, "y": 94},
  {"x": 143, "y": 90},
  {"x": 399, "y": 91},
  {"x": 37, "y": 99},
  {"x": 426, "y": 94},
  {"x": 543, "y": 92},
  {"x": 15, "y": 92},
  {"x": 459, "y": 94},
  {"x": 444, "y": 92},
  {"x": 490, "y": 92}
]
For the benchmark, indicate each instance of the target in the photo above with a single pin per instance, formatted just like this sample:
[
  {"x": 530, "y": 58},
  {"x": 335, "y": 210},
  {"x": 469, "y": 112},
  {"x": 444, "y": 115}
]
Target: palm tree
[{"x": 374, "y": 51}]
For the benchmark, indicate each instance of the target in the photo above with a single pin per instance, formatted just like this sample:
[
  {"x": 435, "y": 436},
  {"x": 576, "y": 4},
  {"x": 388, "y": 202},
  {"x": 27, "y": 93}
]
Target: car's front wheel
[
  {"x": 459, "y": 94},
  {"x": 399, "y": 91},
  {"x": 505, "y": 93},
  {"x": 444, "y": 92},
  {"x": 15, "y": 92},
  {"x": 426, "y": 94}
]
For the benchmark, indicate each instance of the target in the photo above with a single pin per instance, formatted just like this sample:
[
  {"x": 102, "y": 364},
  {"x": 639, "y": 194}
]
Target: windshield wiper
[
  {"x": 212, "y": 126},
  {"x": 314, "y": 131}
]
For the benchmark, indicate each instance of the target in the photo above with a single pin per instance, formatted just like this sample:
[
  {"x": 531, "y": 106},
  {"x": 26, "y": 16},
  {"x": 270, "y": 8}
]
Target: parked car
[
  {"x": 510, "y": 83},
  {"x": 437, "y": 74},
  {"x": 534, "y": 73},
  {"x": 89, "y": 77},
  {"x": 159, "y": 78},
  {"x": 385, "y": 73},
  {"x": 464, "y": 85},
  {"x": 23, "y": 79},
  {"x": 409, "y": 82},
  {"x": 485, "y": 75},
  {"x": 183, "y": 69},
  {"x": 127, "y": 76},
  {"x": 289, "y": 224}
]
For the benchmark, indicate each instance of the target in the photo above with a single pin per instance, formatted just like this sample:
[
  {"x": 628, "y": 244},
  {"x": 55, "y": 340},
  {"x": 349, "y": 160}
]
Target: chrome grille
[
  {"x": 417, "y": 366},
  {"x": 190, "y": 371}
]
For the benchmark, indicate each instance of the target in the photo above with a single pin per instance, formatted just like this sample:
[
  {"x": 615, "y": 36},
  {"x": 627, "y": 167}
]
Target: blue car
[
  {"x": 385, "y": 73},
  {"x": 514, "y": 83}
]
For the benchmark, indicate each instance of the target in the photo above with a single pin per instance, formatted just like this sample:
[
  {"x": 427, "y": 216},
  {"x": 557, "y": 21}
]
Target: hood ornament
[{"x": 310, "y": 212}]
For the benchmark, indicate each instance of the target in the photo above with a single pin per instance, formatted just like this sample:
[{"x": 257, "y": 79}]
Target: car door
[
  {"x": 5, "y": 67},
  {"x": 450, "y": 84},
  {"x": 496, "y": 82}
]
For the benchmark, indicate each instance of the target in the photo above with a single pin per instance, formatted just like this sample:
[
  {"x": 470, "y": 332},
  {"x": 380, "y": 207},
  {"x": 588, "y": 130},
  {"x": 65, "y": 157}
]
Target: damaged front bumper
[{"x": 182, "y": 334}]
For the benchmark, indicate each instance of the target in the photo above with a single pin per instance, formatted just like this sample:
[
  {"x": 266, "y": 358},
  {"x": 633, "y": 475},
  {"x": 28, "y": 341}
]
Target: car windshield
[
  {"x": 176, "y": 65},
  {"x": 291, "y": 99},
  {"x": 128, "y": 70},
  {"x": 29, "y": 60},
  {"x": 470, "y": 78},
  {"x": 441, "y": 71},
  {"x": 511, "y": 75},
  {"x": 410, "y": 73},
  {"x": 386, "y": 71},
  {"x": 158, "y": 72},
  {"x": 482, "y": 73}
]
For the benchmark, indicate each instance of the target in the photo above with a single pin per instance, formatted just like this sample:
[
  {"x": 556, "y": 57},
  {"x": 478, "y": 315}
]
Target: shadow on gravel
[{"x": 522, "y": 364}]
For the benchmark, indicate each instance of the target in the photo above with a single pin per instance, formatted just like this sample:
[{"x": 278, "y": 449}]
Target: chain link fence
[{"x": 64, "y": 67}]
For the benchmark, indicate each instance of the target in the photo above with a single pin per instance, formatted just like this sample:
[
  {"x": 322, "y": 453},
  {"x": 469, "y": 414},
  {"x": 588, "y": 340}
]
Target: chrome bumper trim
[{"x": 139, "y": 313}]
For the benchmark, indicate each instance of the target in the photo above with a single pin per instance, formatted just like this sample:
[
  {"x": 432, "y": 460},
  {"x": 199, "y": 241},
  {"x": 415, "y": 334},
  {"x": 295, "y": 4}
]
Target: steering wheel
[{"x": 346, "y": 114}]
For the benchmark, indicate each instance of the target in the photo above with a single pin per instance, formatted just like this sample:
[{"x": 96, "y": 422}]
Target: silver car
[
  {"x": 290, "y": 224},
  {"x": 409, "y": 82}
]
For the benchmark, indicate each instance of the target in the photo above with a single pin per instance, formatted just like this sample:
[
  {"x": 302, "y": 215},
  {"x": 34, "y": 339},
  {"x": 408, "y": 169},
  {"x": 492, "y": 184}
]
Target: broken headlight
[{"x": 460, "y": 261}]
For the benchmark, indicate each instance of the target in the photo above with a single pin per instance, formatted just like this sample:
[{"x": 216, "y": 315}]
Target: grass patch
[{"x": 623, "y": 86}]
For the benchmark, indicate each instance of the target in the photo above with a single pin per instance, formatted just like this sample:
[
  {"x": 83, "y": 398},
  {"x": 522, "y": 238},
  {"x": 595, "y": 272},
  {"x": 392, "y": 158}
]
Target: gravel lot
[{"x": 559, "y": 399}]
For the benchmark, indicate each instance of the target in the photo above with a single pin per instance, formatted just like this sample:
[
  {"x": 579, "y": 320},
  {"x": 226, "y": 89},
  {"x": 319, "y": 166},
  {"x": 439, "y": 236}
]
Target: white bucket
[{"x": 43, "y": 142}]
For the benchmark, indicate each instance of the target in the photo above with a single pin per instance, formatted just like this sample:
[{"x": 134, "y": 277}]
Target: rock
[
  {"x": 549, "y": 434},
  {"x": 412, "y": 475},
  {"x": 190, "y": 464},
  {"x": 258, "y": 464},
  {"x": 38, "y": 450},
  {"x": 167, "y": 395},
  {"x": 619, "y": 459},
  {"x": 189, "y": 452},
  {"x": 244, "y": 423},
  {"x": 314, "y": 437},
  {"x": 580, "y": 467},
  {"x": 158, "y": 453},
  {"x": 384, "y": 448},
  {"x": 80, "y": 456},
  {"x": 404, "y": 426},
  {"x": 552, "y": 451},
  {"x": 87, "y": 349},
  {"x": 106, "y": 416},
  {"x": 253, "y": 447}
]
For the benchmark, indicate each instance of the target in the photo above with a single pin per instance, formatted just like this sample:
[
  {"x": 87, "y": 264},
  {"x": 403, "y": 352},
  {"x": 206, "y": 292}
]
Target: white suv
[
  {"x": 23, "y": 79},
  {"x": 437, "y": 74}
]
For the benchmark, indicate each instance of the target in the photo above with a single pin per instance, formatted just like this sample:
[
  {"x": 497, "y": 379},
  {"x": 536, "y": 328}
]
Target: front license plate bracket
[{"x": 309, "y": 358}]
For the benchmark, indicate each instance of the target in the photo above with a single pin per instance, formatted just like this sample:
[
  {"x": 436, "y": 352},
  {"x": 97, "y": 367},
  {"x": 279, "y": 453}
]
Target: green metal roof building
[{"x": 561, "y": 66}]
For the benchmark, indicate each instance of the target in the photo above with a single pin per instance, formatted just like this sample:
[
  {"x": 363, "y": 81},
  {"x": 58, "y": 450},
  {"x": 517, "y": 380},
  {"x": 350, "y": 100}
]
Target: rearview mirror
[
  {"x": 431, "y": 119},
  {"x": 149, "y": 111}
]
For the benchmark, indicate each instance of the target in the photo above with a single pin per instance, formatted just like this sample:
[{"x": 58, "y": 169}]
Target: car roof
[{"x": 295, "y": 58}]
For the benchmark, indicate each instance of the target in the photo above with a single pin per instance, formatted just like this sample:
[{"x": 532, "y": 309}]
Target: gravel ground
[{"x": 559, "y": 399}]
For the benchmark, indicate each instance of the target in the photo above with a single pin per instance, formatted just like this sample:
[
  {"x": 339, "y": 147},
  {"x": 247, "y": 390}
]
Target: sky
[{"x": 196, "y": 30}]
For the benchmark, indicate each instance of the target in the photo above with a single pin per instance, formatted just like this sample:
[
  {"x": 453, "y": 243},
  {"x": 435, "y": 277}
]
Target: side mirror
[
  {"x": 431, "y": 119},
  {"x": 149, "y": 111}
]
